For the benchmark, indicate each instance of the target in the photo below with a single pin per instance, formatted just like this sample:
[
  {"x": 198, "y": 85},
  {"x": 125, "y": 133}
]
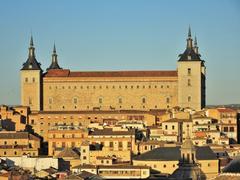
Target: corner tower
[
  {"x": 31, "y": 81},
  {"x": 191, "y": 77}
]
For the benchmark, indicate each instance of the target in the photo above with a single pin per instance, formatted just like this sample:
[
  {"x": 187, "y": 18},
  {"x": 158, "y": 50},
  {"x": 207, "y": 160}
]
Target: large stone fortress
[{"x": 60, "y": 89}]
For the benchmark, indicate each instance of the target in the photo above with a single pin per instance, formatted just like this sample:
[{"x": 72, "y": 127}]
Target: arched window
[
  {"x": 189, "y": 82},
  {"x": 189, "y": 98},
  {"x": 143, "y": 100}
]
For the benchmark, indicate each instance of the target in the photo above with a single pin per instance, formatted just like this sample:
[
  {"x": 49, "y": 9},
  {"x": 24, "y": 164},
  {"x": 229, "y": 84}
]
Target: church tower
[
  {"x": 191, "y": 77},
  {"x": 31, "y": 81}
]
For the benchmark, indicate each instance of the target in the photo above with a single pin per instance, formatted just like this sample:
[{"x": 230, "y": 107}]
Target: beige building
[
  {"x": 13, "y": 118},
  {"x": 116, "y": 171},
  {"x": 165, "y": 160},
  {"x": 227, "y": 119},
  {"x": 108, "y": 142},
  {"x": 43, "y": 121},
  {"x": 14, "y": 143},
  {"x": 60, "y": 89}
]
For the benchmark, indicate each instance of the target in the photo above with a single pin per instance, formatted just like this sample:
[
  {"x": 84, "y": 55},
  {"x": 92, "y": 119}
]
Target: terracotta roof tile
[
  {"x": 226, "y": 110},
  {"x": 68, "y": 73},
  {"x": 109, "y": 132}
]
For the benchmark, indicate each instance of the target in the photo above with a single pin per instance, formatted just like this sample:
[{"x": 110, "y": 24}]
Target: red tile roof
[
  {"x": 68, "y": 73},
  {"x": 226, "y": 110}
]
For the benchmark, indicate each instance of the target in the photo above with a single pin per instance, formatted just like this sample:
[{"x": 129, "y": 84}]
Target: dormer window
[{"x": 189, "y": 57}]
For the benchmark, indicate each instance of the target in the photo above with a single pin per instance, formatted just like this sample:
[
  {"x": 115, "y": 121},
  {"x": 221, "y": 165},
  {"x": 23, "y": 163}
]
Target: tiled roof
[
  {"x": 178, "y": 120},
  {"x": 68, "y": 73},
  {"x": 226, "y": 110},
  {"x": 174, "y": 154},
  {"x": 189, "y": 55},
  {"x": 68, "y": 152},
  {"x": 109, "y": 132},
  {"x": 31, "y": 64},
  {"x": 16, "y": 135},
  {"x": 233, "y": 166}
]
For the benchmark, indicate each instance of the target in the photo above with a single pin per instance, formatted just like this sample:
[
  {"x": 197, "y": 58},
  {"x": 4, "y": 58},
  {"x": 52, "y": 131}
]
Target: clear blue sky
[{"x": 122, "y": 35}]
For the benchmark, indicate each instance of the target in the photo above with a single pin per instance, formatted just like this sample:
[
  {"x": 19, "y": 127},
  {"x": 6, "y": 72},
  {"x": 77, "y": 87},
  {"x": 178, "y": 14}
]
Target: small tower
[
  {"x": 85, "y": 153},
  {"x": 31, "y": 81},
  {"x": 191, "y": 77},
  {"x": 54, "y": 64}
]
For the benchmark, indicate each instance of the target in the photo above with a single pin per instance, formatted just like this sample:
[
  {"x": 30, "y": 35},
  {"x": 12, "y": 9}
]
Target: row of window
[
  {"x": 75, "y": 100},
  {"x": 112, "y": 87},
  {"x": 228, "y": 129},
  {"x": 30, "y": 80},
  {"x": 120, "y": 144},
  {"x": 110, "y": 107}
]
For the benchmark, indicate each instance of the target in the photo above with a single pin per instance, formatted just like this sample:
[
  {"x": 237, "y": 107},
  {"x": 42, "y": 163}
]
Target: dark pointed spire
[
  {"x": 31, "y": 42},
  {"x": 54, "y": 49},
  {"x": 195, "y": 45},
  {"x": 31, "y": 63},
  {"x": 195, "y": 41},
  {"x": 54, "y": 64},
  {"x": 189, "y": 39},
  {"x": 189, "y": 32},
  {"x": 31, "y": 49},
  {"x": 191, "y": 52}
]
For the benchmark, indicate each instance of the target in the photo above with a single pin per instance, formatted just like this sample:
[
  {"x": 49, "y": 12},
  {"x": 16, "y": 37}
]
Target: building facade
[{"x": 60, "y": 89}]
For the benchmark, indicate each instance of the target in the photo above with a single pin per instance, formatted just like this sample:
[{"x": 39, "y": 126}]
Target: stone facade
[{"x": 64, "y": 90}]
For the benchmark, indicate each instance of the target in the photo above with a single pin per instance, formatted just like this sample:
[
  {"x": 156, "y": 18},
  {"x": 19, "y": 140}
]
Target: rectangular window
[
  {"x": 225, "y": 129},
  {"x": 189, "y": 71},
  {"x": 231, "y": 129},
  {"x": 166, "y": 127},
  {"x": 111, "y": 144},
  {"x": 120, "y": 145}
]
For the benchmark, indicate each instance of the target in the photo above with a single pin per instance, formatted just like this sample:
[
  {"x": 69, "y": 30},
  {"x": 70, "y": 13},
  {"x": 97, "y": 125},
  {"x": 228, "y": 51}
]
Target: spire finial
[
  {"x": 54, "y": 48},
  {"x": 195, "y": 41},
  {"x": 189, "y": 32},
  {"x": 31, "y": 41},
  {"x": 195, "y": 48},
  {"x": 54, "y": 64},
  {"x": 31, "y": 48},
  {"x": 189, "y": 39}
]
